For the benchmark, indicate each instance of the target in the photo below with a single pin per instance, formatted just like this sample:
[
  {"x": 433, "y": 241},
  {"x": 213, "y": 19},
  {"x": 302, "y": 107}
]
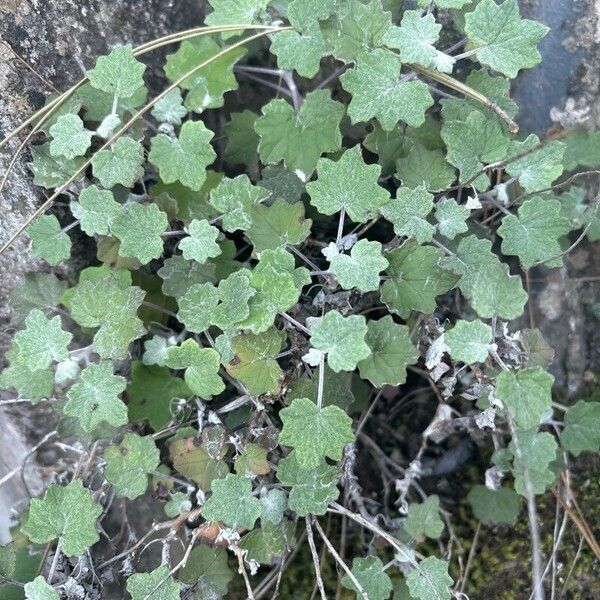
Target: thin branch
[{"x": 315, "y": 557}]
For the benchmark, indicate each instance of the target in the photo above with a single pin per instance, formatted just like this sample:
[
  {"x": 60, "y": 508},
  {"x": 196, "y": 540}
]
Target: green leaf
[
  {"x": 234, "y": 12},
  {"x": 337, "y": 388},
  {"x": 312, "y": 489},
  {"x": 277, "y": 225},
  {"x": 416, "y": 278},
  {"x": 207, "y": 86},
  {"x": 232, "y": 503},
  {"x": 300, "y": 139},
  {"x": 444, "y": 3},
  {"x": 469, "y": 341},
  {"x": 40, "y": 589},
  {"x": 38, "y": 290},
  {"x": 423, "y": 167},
  {"x": 69, "y": 137},
  {"x": 301, "y": 51},
  {"x": 355, "y": 28},
  {"x": 361, "y": 269},
  {"x": 139, "y": 228},
  {"x": 472, "y": 143},
  {"x": 373, "y": 579},
  {"x": 274, "y": 504},
  {"x": 48, "y": 240},
  {"x": 348, "y": 184},
  {"x": 415, "y": 39},
  {"x": 408, "y": 213},
  {"x": 235, "y": 199},
  {"x": 8, "y": 558},
  {"x": 120, "y": 164},
  {"x": 254, "y": 363},
  {"x": 582, "y": 149},
  {"x": 96, "y": 210},
  {"x": 52, "y": 171},
  {"x": 526, "y": 394},
  {"x": 98, "y": 104},
  {"x": 157, "y": 584},
  {"x": 170, "y": 109},
  {"x": 429, "y": 580},
  {"x": 391, "y": 352},
  {"x": 179, "y": 275},
  {"x": 486, "y": 281},
  {"x": 277, "y": 284},
  {"x": 315, "y": 432},
  {"x": 208, "y": 572},
  {"x": 342, "y": 338},
  {"x": 183, "y": 159},
  {"x": 268, "y": 543},
  {"x": 252, "y": 461},
  {"x": 197, "y": 305},
  {"x": 389, "y": 146},
  {"x": 378, "y": 93},
  {"x": 30, "y": 385},
  {"x": 118, "y": 73},
  {"x": 581, "y": 432},
  {"x": 234, "y": 293},
  {"x": 534, "y": 236},
  {"x": 67, "y": 513},
  {"x": 128, "y": 464},
  {"x": 303, "y": 13},
  {"x": 495, "y": 507},
  {"x": 95, "y": 397},
  {"x": 503, "y": 40},
  {"x": 451, "y": 217},
  {"x": 201, "y": 368},
  {"x": 242, "y": 140},
  {"x": 537, "y": 451},
  {"x": 201, "y": 243},
  {"x": 424, "y": 518},
  {"x": 42, "y": 342},
  {"x": 196, "y": 463},
  {"x": 151, "y": 392},
  {"x": 540, "y": 166},
  {"x": 281, "y": 183}
]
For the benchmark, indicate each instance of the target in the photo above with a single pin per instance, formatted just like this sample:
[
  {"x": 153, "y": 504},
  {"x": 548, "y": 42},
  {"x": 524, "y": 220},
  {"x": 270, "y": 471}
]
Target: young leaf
[
  {"x": 451, "y": 217},
  {"x": 277, "y": 225},
  {"x": 423, "y": 167},
  {"x": 312, "y": 489},
  {"x": 300, "y": 139},
  {"x": 40, "y": 589},
  {"x": 42, "y": 342},
  {"x": 183, "y": 159},
  {"x": 119, "y": 164},
  {"x": 139, "y": 228},
  {"x": 373, "y": 579},
  {"x": 157, "y": 583},
  {"x": 69, "y": 137},
  {"x": 197, "y": 305},
  {"x": 429, "y": 580},
  {"x": 232, "y": 503},
  {"x": 378, "y": 93},
  {"x": 315, "y": 432},
  {"x": 469, "y": 341},
  {"x": 534, "y": 236},
  {"x": 201, "y": 244},
  {"x": 128, "y": 464},
  {"x": 234, "y": 293},
  {"x": 67, "y": 513},
  {"x": 415, "y": 279},
  {"x": 96, "y": 210},
  {"x": 361, "y": 269},
  {"x": 581, "y": 432},
  {"x": 537, "y": 451},
  {"x": 235, "y": 199},
  {"x": 95, "y": 397},
  {"x": 118, "y": 73},
  {"x": 48, "y": 240},
  {"x": 408, "y": 213},
  {"x": 52, "y": 171},
  {"x": 495, "y": 507},
  {"x": 424, "y": 518},
  {"x": 170, "y": 109},
  {"x": 391, "y": 352},
  {"x": 201, "y": 367},
  {"x": 485, "y": 281},
  {"x": 254, "y": 363},
  {"x": 350, "y": 184},
  {"x": 526, "y": 394},
  {"x": 30, "y": 385},
  {"x": 503, "y": 40},
  {"x": 207, "y": 572},
  {"x": 342, "y": 338}
]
